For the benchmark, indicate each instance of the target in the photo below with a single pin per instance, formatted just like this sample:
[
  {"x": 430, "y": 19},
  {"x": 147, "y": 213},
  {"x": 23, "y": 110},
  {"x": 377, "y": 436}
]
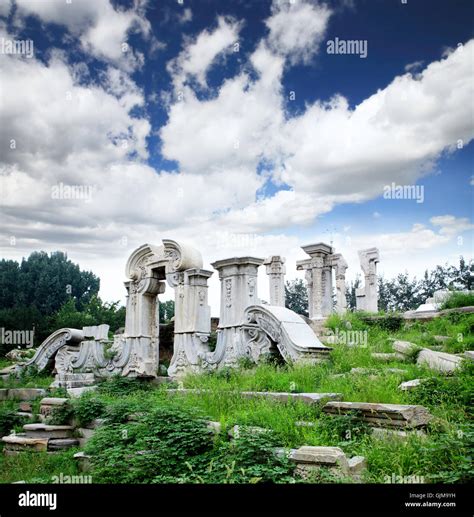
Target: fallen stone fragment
[
  {"x": 469, "y": 354},
  {"x": 405, "y": 348},
  {"x": 409, "y": 385},
  {"x": 83, "y": 460},
  {"x": 439, "y": 361},
  {"x": 20, "y": 442},
  {"x": 307, "y": 398},
  {"x": 48, "y": 404},
  {"x": 215, "y": 427},
  {"x": 329, "y": 456},
  {"x": 381, "y": 415},
  {"x": 236, "y": 431},
  {"x": 77, "y": 392}
]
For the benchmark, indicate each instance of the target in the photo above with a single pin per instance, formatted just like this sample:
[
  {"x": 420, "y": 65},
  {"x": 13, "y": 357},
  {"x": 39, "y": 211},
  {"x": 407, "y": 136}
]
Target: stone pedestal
[
  {"x": 318, "y": 275},
  {"x": 276, "y": 274}
]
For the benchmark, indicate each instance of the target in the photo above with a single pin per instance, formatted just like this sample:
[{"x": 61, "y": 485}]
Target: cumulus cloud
[
  {"x": 297, "y": 28},
  {"x": 102, "y": 29},
  {"x": 200, "y": 54}
]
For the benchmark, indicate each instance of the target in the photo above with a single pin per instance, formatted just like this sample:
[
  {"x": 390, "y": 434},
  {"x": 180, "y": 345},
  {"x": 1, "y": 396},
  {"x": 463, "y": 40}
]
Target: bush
[
  {"x": 121, "y": 386},
  {"x": 87, "y": 409},
  {"x": 8, "y": 421}
]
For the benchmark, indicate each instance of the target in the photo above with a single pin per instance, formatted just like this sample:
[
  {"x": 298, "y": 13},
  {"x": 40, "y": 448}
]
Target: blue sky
[{"x": 174, "y": 131}]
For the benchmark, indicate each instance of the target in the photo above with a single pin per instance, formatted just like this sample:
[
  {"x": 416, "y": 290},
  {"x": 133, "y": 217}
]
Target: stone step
[
  {"x": 382, "y": 415},
  {"x": 48, "y": 431},
  {"x": 49, "y": 404},
  {"x": 59, "y": 444},
  {"x": 20, "y": 442},
  {"x": 21, "y": 393}
]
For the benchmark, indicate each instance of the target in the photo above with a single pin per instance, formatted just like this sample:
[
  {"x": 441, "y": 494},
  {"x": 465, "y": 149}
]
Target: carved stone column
[
  {"x": 318, "y": 270},
  {"x": 367, "y": 298},
  {"x": 341, "y": 266},
  {"x": 276, "y": 274},
  {"x": 238, "y": 278}
]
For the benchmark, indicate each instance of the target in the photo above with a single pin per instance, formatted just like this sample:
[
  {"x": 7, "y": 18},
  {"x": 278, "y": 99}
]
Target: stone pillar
[
  {"x": 341, "y": 266},
  {"x": 276, "y": 274},
  {"x": 319, "y": 279},
  {"x": 238, "y": 278},
  {"x": 369, "y": 259},
  {"x": 192, "y": 321}
]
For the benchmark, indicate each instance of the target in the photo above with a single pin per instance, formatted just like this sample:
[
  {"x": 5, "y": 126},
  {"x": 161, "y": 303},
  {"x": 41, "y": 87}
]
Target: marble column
[
  {"x": 340, "y": 266},
  {"x": 276, "y": 274},
  {"x": 367, "y": 299},
  {"x": 238, "y": 278},
  {"x": 319, "y": 279}
]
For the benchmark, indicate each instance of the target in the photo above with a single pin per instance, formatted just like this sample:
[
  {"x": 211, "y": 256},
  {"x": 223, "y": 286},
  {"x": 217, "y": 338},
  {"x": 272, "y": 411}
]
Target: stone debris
[
  {"x": 21, "y": 393},
  {"x": 439, "y": 361},
  {"x": 77, "y": 392},
  {"x": 48, "y": 404},
  {"x": 387, "y": 357},
  {"x": 83, "y": 460},
  {"x": 405, "y": 348},
  {"x": 409, "y": 385},
  {"x": 20, "y": 442},
  {"x": 307, "y": 398},
  {"x": 396, "y": 434},
  {"x": 382, "y": 415}
]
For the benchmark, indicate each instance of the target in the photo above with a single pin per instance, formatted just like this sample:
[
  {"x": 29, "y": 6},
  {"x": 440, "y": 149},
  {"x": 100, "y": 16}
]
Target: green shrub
[
  {"x": 119, "y": 386},
  {"x": 458, "y": 299},
  {"x": 88, "y": 408},
  {"x": 9, "y": 420}
]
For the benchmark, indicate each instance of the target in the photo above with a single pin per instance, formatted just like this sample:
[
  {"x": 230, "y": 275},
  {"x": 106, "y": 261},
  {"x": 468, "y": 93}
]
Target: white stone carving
[
  {"x": 276, "y": 273},
  {"x": 367, "y": 297}
]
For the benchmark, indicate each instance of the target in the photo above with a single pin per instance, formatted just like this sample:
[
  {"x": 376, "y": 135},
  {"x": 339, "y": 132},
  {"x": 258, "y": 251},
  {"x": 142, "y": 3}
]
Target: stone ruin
[
  {"x": 367, "y": 297},
  {"x": 248, "y": 328}
]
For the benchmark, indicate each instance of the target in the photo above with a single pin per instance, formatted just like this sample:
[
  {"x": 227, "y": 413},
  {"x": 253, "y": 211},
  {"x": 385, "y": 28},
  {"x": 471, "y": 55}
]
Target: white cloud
[
  {"x": 200, "y": 54},
  {"x": 102, "y": 29},
  {"x": 297, "y": 29},
  {"x": 450, "y": 225}
]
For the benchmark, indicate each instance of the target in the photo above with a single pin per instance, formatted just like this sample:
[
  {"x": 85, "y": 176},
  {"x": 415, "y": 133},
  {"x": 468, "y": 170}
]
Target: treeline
[{"x": 46, "y": 292}]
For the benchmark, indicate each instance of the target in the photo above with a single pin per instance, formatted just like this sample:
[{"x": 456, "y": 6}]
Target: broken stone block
[
  {"x": 25, "y": 393},
  {"x": 83, "y": 460},
  {"x": 381, "y": 415},
  {"x": 321, "y": 456},
  {"x": 77, "y": 392},
  {"x": 57, "y": 444},
  {"x": 357, "y": 465},
  {"x": 469, "y": 354},
  {"x": 409, "y": 385},
  {"x": 439, "y": 361},
  {"x": 48, "y": 404},
  {"x": 25, "y": 406},
  {"x": 48, "y": 431},
  {"x": 25, "y": 414},
  {"x": 19, "y": 442},
  {"x": 405, "y": 348}
]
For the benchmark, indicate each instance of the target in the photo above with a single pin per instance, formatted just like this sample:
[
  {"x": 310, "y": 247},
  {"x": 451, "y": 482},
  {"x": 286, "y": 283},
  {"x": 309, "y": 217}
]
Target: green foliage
[
  {"x": 120, "y": 386},
  {"x": 458, "y": 299},
  {"x": 166, "y": 310},
  {"x": 154, "y": 449},
  {"x": 93, "y": 313},
  {"x": 296, "y": 297},
  {"x": 9, "y": 420},
  {"x": 389, "y": 321},
  {"x": 61, "y": 415},
  {"x": 87, "y": 408}
]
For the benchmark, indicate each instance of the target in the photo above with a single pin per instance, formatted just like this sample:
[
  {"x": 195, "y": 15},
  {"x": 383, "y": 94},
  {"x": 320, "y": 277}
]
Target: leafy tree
[
  {"x": 296, "y": 296},
  {"x": 166, "y": 311}
]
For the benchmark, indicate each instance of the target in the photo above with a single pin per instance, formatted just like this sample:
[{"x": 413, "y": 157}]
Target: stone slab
[
  {"x": 25, "y": 393},
  {"x": 405, "y": 347},
  {"x": 48, "y": 431},
  {"x": 21, "y": 442},
  {"x": 77, "y": 392},
  {"x": 328, "y": 456},
  {"x": 387, "y": 357},
  {"x": 439, "y": 361},
  {"x": 55, "y": 444},
  {"x": 382, "y": 415},
  {"x": 54, "y": 401},
  {"x": 410, "y": 385}
]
